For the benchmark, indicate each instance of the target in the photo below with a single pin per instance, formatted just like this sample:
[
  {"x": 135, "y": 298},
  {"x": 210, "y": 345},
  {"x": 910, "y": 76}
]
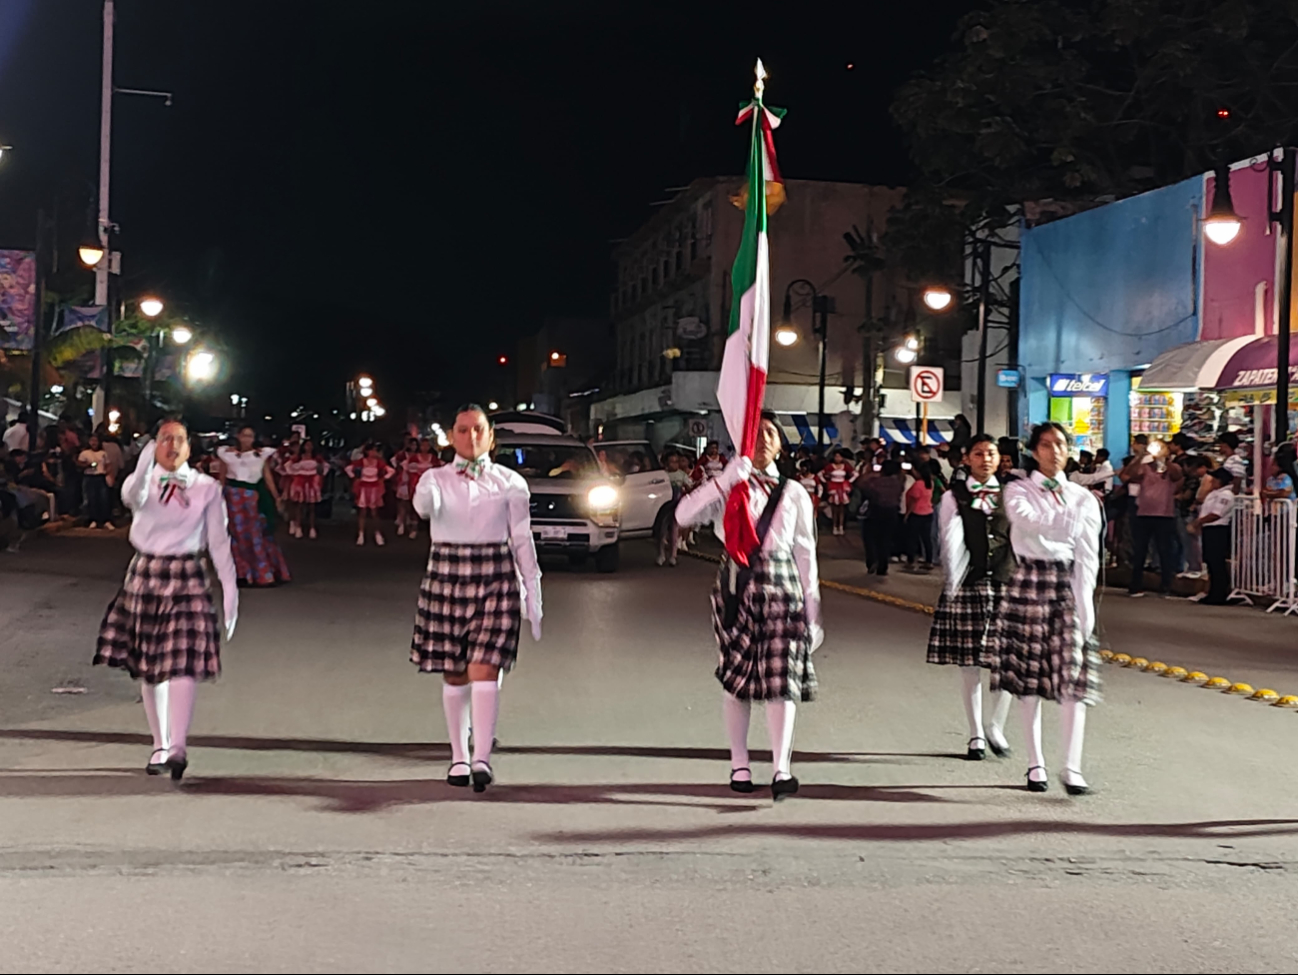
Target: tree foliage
[{"x": 1079, "y": 100}]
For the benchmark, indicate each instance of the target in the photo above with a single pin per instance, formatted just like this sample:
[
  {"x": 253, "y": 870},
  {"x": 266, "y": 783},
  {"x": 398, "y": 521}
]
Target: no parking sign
[{"x": 927, "y": 383}]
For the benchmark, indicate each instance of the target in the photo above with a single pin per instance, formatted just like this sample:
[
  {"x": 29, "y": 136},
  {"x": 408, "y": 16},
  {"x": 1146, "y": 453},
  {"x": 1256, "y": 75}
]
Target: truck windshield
[{"x": 541, "y": 460}]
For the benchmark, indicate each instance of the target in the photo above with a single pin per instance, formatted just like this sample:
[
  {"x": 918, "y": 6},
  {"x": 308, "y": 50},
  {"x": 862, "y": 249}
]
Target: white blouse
[
  {"x": 955, "y": 550},
  {"x": 792, "y": 533},
  {"x": 1220, "y": 502},
  {"x": 244, "y": 466},
  {"x": 1059, "y": 526},
  {"x": 488, "y": 509},
  {"x": 192, "y": 519}
]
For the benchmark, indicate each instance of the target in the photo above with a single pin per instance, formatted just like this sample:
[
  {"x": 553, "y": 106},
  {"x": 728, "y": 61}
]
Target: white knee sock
[
  {"x": 972, "y": 681},
  {"x": 455, "y": 704},
  {"x": 148, "y": 694},
  {"x": 1031, "y": 709},
  {"x": 1072, "y": 725},
  {"x": 736, "y": 713},
  {"x": 180, "y": 709},
  {"x": 486, "y": 702},
  {"x": 779, "y": 725},
  {"x": 1000, "y": 714}
]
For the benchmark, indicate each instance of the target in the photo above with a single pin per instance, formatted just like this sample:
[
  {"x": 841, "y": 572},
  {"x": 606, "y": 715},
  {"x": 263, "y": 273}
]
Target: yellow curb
[
  {"x": 1288, "y": 701},
  {"x": 1264, "y": 694},
  {"x": 1156, "y": 667},
  {"x": 1195, "y": 677},
  {"x": 1239, "y": 688},
  {"x": 1106, "y": 655},
  {"x": 1217, "y": 683},
  {"x": 1176, "y": 673},
  {"x": 1140, "y": 663},
  {"x": 1122, "y": 659}
]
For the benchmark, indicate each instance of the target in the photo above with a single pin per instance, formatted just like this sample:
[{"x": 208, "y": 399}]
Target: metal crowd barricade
[{"x": 1263, "y": 552}]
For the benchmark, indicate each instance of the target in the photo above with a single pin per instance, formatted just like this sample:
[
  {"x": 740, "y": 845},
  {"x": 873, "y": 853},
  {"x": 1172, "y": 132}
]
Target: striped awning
[
  {"x": 800, "y": 432},
  {"x": 894, "y": 430}
]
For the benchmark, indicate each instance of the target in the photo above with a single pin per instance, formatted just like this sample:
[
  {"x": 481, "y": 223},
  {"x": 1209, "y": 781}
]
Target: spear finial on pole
[{"x": 760, "y": 85}]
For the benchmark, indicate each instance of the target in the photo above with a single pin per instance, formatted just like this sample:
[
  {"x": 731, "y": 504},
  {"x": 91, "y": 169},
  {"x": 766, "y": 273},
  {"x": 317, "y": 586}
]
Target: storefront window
[
  {"x": 1078, "y": 403},
  {"x": 1155, "y": 414}
]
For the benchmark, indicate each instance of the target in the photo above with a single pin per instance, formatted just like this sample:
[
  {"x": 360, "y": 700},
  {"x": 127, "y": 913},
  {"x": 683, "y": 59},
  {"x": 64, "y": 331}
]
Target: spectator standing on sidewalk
[
  {"x": 17, "y": 436},
  {"x": 882, "y": 524},
  {"x": 1214, "y": 522},
  {"x": 919, "y": 515},
  {"x": 1279, "y": 483},
  {"x": 1187, "y": 506},
  {"x": 1155, "y": 518},
  {"x": 1228, "y": 449},
  {"x": 97, "y": 479}
]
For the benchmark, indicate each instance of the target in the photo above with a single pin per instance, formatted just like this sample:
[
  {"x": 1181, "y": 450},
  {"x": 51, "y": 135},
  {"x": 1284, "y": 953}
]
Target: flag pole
[{"x": 759, "y": 86}]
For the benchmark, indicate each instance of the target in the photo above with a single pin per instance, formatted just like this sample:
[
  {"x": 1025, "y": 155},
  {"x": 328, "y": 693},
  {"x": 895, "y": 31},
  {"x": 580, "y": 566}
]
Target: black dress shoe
[
  {"x": 975, "y": 753},
  {"x": 1073, "y": 789},
  {"x": 176, "y": 767},
  {"x": 157, "y": 768},
  {"x": 1000, "y": 751},
  {"x": 482, "y": 776},
  {"x": 741, "y": 785},
  {"x": 1033, "y": 784},
  {"x": 459, "y": 781},
  {"x": 783, "y": 787}
]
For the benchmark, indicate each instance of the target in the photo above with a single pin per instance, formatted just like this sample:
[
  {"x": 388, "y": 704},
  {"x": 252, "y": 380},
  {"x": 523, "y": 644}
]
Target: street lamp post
[
  {"x": 821, "y": 308},
  {"x": 1284, "y": 290},
  {"x": 984, "y": 294}
]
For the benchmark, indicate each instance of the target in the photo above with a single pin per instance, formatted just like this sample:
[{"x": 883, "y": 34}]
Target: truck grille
[{"x": 546, "y": 507}]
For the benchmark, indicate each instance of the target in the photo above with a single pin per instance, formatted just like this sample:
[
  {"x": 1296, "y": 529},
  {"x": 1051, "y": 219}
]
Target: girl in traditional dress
[
  {"x": 766, "y": 615},
  {"x": 975, "y": 538},
  {"x": 811, "y": 484},
  {"x": 310, "y": 474},
  {"x": 837, "y": 477},
  {"x": 161, "y": 626},
  {"x": 482, "y": 581},
  {"x": 253, "y": 499},
  {"x": 369, "y": 476},
  {"x": 1042, "y": 642},
  {"x": 290, "y": 483},
  {"x": 415, "y": 459}
]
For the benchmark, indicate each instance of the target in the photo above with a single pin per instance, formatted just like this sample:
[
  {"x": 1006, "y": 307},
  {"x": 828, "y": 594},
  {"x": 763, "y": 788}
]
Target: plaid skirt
[
  {"x": 470, "y": 609},
  {"x": 962, "y": 623},
  {"x": 161, "y": 624},
  {"x": 1033, "y": 640},
  {"x": 766, "y": 655}
]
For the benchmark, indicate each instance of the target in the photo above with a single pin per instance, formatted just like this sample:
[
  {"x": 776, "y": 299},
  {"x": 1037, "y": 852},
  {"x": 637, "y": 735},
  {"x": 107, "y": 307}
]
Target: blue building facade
[{"x": 1103, "y": 293}]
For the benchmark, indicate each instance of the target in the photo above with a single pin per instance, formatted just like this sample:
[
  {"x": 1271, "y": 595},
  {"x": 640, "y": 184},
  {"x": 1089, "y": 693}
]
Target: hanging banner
[
  {"x": 17, "y": 299},
  {"x": 74, "y": 316}
]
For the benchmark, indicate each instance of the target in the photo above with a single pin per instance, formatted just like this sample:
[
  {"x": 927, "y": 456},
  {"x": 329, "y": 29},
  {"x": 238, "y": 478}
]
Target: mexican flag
[{"x": 744, "y": 366}]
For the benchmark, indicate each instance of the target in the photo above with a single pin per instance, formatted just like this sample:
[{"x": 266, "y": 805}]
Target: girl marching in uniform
[
  {"x": 252, "y": 498},
  {"x": 837, "y": 478},
  {"x": 811, "y": 484},
  {"x": 309, "y": 483},
  {"x": 404, "y": 512},
  {"x": 290, "y": 482},
  {"x": 369, "y": 478},
  {"x": 767, "y": 615},
  {"x": 161, "y": 626},
  {"x": 482, "y": 581},
  {"x": 975, "y": 538},
  {"x": 1042, "y": 642},
  {"x": 418, "y": 459}
]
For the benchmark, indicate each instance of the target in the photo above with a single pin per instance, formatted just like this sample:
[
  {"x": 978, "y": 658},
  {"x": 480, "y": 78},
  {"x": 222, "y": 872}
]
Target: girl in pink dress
[
  {"x": 837, "y": 478},
  {"x": 405, "y": 513},
  {"x": 286, "y": 461},
  {"x": 369, "y": 479},
  {"x": 309, "y": 472},
  {"x": 412, "y": 467}
]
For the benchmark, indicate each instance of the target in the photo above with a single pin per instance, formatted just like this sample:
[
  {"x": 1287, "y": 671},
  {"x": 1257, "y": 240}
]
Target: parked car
[
  {"x": 633, "y": 465},
  {"x": 576, "y": 509}
]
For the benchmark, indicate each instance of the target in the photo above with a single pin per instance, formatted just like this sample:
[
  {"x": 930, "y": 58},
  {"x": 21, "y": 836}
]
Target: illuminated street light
[
  {"x": 234, "y": 399},
  {"x": 937, "y": 298},
  {"x": 364, "y": 381},
  {"x": 181, "y": 334},
  {"x": 201, "y": 366},
  {"x": 1222, "y": 225},
  {"x": 91, "y": 253},
  {"x": 493, "y": 405},
  {"x": 372, "y": 402},
  {"x": 786, "y": 335},
  {"x": 150, "y": 307},
  {"x": 908, "y": 351}
]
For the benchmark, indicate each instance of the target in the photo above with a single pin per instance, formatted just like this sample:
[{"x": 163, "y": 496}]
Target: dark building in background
[{"x": 563, "y": 366}]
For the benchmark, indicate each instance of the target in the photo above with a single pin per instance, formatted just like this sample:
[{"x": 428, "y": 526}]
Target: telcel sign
[{"x": 1074, "y": 384}]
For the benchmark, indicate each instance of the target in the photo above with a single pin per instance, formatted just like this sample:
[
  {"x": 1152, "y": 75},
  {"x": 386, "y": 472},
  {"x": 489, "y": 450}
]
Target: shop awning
[
  {"x": 1253, "y": 365},
  {"x": 799, "y": 430},
  {"x": 1194, "y": 365},
  {"x": 894, "y": 430}
]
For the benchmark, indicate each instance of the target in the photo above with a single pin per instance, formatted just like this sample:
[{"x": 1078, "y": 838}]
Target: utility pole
[
  {"x": 821, "y": 306},
  {"x": 984, "y": 294},
  {"x": 103, "y": 224},
  {"x": 38, "y": 336},
  {"x": 1284, "y": 244}
]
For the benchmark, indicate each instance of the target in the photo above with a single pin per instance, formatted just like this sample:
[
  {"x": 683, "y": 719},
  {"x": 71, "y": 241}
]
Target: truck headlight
[{"x": 602, "y": 497}]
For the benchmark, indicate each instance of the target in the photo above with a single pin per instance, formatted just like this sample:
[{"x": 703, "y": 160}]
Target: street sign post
[{"x": 926, "y": 386}]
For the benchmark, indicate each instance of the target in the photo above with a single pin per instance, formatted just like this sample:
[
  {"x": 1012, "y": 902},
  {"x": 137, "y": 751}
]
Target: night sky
[{"x": 406, "y": 187}]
